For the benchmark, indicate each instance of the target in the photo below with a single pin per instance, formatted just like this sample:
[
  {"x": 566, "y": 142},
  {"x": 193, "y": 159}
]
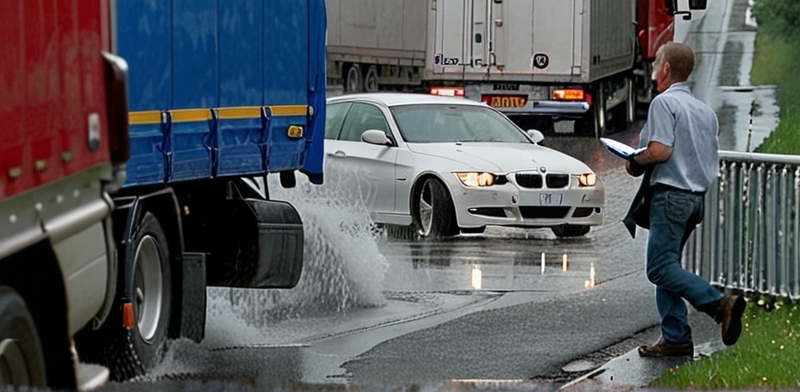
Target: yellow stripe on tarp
[
  {"x": 239, "y": 112},
  {"x": 188, "y": 115},
  {"x": 146, "y": 117},
  {"x": 227, "y": 113},
  {"x": 289, "y": 110}
]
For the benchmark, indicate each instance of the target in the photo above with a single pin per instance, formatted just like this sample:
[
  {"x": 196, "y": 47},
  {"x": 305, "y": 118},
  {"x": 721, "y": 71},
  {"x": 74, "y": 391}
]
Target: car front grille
[
  {"x": 557, "y": 180},
  {"x": 534, "y": 180},
  {"x": 529, "y": 180}
]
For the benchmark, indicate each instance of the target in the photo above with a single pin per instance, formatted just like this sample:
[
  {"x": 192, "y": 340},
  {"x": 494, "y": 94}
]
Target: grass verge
[
  {"x": 767, "y": 355},
  {"x": 777, "y": 62}
]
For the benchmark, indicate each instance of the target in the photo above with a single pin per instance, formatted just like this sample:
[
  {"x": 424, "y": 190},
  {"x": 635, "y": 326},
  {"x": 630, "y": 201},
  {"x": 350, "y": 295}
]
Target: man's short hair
[{"x": 680, "y": 58}]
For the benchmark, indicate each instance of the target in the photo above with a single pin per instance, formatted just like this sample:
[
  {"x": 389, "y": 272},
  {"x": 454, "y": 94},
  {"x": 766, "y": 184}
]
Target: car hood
[{"x": 501, "y": 157}]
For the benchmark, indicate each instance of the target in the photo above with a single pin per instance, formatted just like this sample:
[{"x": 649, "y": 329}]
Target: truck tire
[
  {"x": 630, "y": 103},
  {"x": 131, "y": 353},
  {"x": 435, "y": 214},
  {"x": 595, "y": 122},
  {"x": 371, "y": 80},
  {"x": 570, "y": 231},
  {"x": 22, "y": 361},
  {"x": 352, "y": 79}
]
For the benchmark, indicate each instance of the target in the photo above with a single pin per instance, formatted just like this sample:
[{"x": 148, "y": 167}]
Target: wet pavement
[{"x": 510, "y": 309}]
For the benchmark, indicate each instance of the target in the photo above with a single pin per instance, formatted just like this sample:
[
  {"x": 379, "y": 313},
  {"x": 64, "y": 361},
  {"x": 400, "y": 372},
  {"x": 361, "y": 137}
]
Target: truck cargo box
[
  {"x": 223, "y": 88},
  {"x": 373, "y": 31},
  {"x": 558, "y": 41}
]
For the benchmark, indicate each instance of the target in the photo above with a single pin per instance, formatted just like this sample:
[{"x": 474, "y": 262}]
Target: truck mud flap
[
  {"x": 193, "y": 297},
  {"x": 268, "y": 237}
]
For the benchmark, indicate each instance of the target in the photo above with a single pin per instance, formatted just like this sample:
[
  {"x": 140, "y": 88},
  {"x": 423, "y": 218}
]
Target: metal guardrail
[{"x": 749, "y": 239}]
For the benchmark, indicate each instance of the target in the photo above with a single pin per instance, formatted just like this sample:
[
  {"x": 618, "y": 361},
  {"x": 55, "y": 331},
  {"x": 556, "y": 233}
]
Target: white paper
[{"x": 621, "y": 149}]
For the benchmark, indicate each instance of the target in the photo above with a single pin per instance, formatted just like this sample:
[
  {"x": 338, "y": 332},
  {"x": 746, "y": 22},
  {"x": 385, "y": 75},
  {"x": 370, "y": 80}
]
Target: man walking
[{"x": 682, "y": 160}]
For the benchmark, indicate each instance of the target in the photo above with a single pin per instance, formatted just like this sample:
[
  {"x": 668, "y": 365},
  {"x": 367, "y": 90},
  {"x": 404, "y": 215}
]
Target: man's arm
[{"x": 655, "y": 153}]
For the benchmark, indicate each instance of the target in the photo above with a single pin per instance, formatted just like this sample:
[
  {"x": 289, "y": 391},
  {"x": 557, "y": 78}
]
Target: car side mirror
[
  {"x": 374, "y": 136},
  {"x": 536, "y": 135}
]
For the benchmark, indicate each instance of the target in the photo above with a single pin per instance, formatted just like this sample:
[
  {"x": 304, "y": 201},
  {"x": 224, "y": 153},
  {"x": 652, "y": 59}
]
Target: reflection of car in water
[{"x": 441, "y": 166}]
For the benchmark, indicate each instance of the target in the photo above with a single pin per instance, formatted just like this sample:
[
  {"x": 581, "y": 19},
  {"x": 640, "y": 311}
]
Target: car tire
[
  {"x": 570, "y": 231},
  {"x": 435, "y": 214},
  {"x": 396, "y": 232},
  {"x": 22, "y": 362},
  {"x": 131, "y": 353}
]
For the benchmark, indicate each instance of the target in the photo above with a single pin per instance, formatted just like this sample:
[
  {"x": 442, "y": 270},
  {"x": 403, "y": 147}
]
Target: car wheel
[
  {"x": 22, "y": 361},
  {"x": 569, "y": 231},
  {"x": 132, "y": 353},
  {"x": 435, "y": 215}
]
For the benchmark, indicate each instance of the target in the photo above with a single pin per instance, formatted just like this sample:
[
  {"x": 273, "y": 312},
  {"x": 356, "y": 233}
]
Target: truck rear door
[{"x": 514, "y": 38}]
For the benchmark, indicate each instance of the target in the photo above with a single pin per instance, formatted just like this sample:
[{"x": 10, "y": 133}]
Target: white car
[{"x": 440, "y": 166}]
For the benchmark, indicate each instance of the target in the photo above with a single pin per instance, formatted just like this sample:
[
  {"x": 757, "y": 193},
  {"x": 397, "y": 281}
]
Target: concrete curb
[{"x": 630, "y": 371}]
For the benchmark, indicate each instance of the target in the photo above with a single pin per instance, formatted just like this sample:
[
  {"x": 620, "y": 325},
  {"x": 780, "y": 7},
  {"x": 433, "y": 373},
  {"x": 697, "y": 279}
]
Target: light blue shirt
[{"x": 679, "y": 120}]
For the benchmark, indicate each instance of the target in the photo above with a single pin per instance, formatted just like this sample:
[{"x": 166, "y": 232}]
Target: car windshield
[{"x": 438, "y": 123}]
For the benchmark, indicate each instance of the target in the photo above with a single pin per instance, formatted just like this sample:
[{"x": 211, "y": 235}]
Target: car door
[{"x": 371, "y": 166}]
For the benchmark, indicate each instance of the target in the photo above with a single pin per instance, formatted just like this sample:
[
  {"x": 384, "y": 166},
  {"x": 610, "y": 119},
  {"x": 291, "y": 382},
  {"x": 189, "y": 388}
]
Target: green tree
[{"x": 779, "y": 17}]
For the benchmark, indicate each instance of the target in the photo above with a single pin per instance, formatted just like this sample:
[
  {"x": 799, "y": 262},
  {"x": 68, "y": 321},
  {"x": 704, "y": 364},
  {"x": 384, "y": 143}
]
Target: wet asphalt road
[
  {"x": 434, "y": 322},
  {"x": 384, "y": 313}
]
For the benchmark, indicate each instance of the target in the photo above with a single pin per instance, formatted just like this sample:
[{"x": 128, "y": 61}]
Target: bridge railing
[{"x": 749, "y": 239}]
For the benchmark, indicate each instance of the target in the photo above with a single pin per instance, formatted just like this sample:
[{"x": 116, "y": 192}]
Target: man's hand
[{"x": 634, "y": 168}]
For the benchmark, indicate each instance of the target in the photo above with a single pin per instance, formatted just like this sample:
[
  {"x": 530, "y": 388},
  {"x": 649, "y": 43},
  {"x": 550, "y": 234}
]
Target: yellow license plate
[{"x": 507, "y": 101}]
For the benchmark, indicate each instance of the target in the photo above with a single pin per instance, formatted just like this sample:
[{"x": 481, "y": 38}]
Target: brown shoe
[
  {"x": 732, "y": 311},
  {"x": 663, "y": 348}
]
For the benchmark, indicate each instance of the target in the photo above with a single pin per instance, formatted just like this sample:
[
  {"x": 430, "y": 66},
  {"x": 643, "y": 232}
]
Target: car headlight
[
  {"x": 587, "y": 179},
  {"x": 476, "y": 179}
]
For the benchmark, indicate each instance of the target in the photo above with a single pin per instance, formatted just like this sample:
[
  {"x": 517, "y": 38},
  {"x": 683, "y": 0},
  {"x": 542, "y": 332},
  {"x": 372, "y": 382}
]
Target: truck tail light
[
  {"x": 569, "y": 94},
  {"x": 116, "y": 80},
  {"x": 448, "y": 91}
]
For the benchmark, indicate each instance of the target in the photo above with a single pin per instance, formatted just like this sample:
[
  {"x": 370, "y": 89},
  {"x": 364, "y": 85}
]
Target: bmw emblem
[{"x": 543, "y": 169}]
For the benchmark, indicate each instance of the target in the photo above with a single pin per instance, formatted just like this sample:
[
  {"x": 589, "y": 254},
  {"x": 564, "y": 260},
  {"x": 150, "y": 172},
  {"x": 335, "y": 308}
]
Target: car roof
[{"x": 395, "y": 99}]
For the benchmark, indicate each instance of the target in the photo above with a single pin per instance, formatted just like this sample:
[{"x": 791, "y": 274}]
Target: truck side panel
[
  {"x": 240, "y": 85},
  {"x": 240, "y": 88},
  {"x": 146, "y": 25},
  {"x": 611, "y": 38}
]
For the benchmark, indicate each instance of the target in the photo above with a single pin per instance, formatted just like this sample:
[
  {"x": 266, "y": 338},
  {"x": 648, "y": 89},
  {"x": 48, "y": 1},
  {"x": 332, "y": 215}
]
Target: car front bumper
[{"x": 511, "y": 205}]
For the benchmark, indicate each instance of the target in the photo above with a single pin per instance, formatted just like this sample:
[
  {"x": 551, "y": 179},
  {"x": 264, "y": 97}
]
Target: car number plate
[{"x": 551, "y": 199}]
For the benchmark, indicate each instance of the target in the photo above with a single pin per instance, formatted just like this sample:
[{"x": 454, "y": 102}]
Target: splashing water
[{"x": 343, "y": 267}]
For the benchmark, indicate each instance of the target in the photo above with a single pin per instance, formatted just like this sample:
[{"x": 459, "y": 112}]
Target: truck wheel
[
  {"x": 21, "y": 357},
  {"x": 600, "y": 113},
  {"x": 569, "y": 231},
  {"x": 352, "y": 81},
  {"x": 131, "y": 353},
  {"x": 594, "y": 122},
  {"x": 435, "y": 215},
  {"x": 371, "y": 79}
]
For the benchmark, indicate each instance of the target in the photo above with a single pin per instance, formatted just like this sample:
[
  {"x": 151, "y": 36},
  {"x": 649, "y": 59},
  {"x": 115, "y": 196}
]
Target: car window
[
  {"x": 438, "y": 123},
  {"x": 334, "y": 116},
  {"x": 360, "y": 118}
]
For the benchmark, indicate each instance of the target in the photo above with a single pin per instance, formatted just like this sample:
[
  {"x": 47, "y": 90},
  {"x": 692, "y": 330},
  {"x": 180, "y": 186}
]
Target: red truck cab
[{"x": 62, "y": 149}]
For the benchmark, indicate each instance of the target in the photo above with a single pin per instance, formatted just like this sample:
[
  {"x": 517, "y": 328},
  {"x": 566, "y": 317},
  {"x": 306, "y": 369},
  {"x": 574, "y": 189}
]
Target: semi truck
[
  {"x": 136, "y": 140},
  {"x": 558, "y": 65}
]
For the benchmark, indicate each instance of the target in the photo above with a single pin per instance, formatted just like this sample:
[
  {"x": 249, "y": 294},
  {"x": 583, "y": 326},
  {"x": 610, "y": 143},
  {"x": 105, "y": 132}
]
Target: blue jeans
[{"x": 673, "y": 217}]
